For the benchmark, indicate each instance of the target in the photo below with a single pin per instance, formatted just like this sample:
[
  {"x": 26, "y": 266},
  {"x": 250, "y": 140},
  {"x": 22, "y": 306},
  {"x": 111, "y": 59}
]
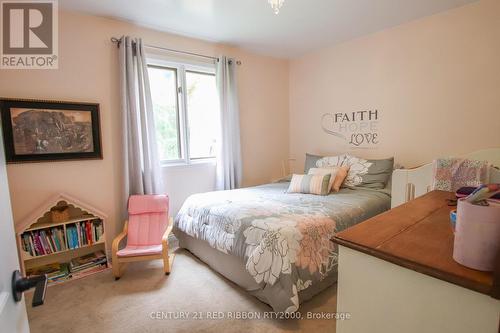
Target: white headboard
[{"x": 408, "y": 184}]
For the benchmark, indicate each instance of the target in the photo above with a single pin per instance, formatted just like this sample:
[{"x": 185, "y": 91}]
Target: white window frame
[{"x": 181, "y": 67}]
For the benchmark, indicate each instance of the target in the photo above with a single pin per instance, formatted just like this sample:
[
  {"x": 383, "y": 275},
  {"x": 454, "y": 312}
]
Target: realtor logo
[{"x": 29, "y": 35}]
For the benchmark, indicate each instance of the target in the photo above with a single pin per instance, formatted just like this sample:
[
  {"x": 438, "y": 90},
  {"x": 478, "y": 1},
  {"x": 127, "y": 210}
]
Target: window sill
[{"x": 191, "y": 164}]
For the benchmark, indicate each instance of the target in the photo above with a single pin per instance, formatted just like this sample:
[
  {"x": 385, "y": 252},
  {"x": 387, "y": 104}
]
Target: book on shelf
[
  {"x": 38, "y": 250},
  {"x": 70, "y": 237},
  {"x": 88, "y": 234},
  {"x": 84, "y": 233},
  {"x": 78, "y": 235},
  {"x": 88, "y": 264},
  {"x": 31, "y": 245},
  {"x": 89, "y": 270},
  {"x": 28, "y": 244},
  {"x": 75, "y": 268},
  {"x": 89, "y": 260},
  {"x": 55, "y": 271},
  {"x": 54, "y": 239},
  {"x": 62, "y": 238},
  {"x": 42, "y": 242},
  {"x": 48, "y": 242}
]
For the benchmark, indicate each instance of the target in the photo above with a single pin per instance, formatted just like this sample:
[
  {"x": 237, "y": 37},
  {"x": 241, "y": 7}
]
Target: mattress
[{"x": 275, "y": 245}]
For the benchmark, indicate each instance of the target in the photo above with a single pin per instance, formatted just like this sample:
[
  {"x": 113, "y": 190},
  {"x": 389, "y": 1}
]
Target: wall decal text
[{"x": 359, "y": 129}]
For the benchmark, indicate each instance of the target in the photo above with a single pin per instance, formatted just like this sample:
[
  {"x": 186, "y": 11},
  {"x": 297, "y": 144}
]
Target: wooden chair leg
[
  {"x": 116, "y": 269},
  {"x": 117, "y": 266},
  {"x": 167, "y": 263},
  {"x": 167, "y": 259}
]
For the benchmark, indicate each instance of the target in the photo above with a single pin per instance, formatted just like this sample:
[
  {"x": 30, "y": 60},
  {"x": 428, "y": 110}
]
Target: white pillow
[{"x": 332, "y": 171}]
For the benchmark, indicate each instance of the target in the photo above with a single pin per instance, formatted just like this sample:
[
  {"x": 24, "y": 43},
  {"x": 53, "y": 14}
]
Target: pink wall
[
  {"x": 434, "y": 81},
  {"x": 88, "y": 71}
]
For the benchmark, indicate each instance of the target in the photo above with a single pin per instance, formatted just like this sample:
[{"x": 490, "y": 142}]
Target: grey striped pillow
[{"x": 310, "y": 184}]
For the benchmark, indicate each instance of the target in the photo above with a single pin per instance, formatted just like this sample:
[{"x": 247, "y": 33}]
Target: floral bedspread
[{"x": 284, "y": 239}]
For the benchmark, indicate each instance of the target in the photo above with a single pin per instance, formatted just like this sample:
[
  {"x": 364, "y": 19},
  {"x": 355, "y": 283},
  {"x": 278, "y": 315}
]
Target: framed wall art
[{"x": 37, "y": 130}]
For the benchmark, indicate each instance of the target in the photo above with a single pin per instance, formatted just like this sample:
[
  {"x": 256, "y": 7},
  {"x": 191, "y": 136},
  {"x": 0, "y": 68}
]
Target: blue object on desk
[{"x": 453, "y": 219}]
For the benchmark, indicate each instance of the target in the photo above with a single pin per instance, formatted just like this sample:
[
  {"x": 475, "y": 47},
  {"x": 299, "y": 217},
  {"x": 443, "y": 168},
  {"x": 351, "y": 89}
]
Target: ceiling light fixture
[{"x": 276, "y": 5}]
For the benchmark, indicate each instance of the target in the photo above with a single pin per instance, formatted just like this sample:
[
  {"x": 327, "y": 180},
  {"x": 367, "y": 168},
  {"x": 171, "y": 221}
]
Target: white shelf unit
[{"x": 41, "y": 220}]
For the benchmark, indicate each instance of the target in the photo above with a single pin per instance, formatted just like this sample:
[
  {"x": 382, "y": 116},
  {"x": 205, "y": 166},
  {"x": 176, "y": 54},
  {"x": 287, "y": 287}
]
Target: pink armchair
[{"x": 147, "y": 231}]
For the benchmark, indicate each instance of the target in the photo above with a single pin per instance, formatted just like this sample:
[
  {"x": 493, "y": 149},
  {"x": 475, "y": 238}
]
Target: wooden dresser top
[{"x": 418, "y": 236}]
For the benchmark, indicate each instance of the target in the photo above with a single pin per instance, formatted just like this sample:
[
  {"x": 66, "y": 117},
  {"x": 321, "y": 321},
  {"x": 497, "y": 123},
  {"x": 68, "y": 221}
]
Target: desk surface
[{"x": 418, "y": 236}]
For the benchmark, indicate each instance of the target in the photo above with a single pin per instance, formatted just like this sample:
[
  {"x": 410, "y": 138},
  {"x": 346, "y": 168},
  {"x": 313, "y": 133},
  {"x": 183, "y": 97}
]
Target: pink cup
[{"x": 477, "y": 235}]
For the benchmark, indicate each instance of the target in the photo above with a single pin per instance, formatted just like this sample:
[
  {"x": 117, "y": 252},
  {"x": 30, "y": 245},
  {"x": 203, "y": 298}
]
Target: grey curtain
[
  {"x": 229, "y": 163},
  {"x": 140, "y": 159}
]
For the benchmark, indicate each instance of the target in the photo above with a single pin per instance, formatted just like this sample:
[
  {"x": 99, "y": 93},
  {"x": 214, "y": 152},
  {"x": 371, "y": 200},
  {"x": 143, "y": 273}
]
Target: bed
[{"x": 275, "y": 245}]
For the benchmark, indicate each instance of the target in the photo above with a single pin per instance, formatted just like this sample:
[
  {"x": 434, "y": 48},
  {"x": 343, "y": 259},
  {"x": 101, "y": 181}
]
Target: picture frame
[{"x": 44, "y": 130}]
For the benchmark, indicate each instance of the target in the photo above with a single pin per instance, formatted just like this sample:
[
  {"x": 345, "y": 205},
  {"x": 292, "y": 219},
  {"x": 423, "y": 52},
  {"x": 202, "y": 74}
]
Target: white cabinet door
[{"x": 13, "y": 317}]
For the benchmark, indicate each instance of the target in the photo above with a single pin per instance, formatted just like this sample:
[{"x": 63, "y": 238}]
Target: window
[
  {"x": 164, "y": 90},
  {"x": 186, "y": 110}
]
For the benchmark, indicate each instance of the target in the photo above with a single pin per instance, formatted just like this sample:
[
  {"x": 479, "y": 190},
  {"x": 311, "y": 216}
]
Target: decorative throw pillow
[
  {"x": 337, "y": 176},
  {"x": 310, "y": 184},
  {"x": 311, "y": 162},
  {"x": 325, "y": 171},
  {"x": 362, "y": 173},
  {"x": 340, "y": 178},
  {"x": 379, "y": 173}
]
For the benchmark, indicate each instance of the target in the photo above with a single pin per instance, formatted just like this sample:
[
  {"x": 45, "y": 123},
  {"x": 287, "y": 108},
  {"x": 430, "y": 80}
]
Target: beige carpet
[{"x": 99, "y": 304}]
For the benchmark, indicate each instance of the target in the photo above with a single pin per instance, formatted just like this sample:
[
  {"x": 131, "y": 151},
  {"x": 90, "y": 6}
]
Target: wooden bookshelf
[{"x": 44, "y": 241}]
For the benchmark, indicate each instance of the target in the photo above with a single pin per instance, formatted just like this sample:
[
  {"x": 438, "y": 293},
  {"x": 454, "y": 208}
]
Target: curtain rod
[{"x": 118, "y": 41}]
